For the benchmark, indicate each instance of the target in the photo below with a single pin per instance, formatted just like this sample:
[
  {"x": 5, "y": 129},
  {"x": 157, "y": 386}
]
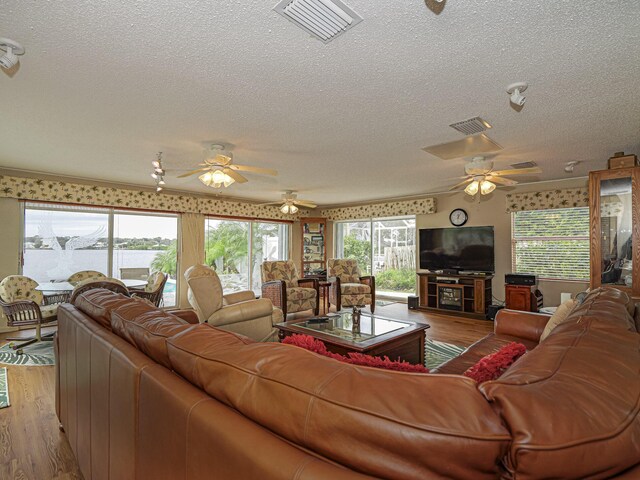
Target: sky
[{"x": 84, "y": 223}]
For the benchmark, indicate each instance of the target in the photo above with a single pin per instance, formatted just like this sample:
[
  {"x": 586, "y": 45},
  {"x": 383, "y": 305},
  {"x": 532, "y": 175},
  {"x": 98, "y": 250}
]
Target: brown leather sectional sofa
[{"x": 146, "y": 394}]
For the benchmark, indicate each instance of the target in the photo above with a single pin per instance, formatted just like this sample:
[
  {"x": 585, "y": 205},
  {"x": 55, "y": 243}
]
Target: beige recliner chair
[{"x": 238, "y": 312}]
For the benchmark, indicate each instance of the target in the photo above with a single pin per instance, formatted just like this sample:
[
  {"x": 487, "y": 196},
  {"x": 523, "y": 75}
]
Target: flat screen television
[{"x": 464, "y": 248}]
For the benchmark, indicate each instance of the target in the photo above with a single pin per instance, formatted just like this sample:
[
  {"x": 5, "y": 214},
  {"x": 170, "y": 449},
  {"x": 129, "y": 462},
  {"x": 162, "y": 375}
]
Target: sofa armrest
[
  {"x": 242, "y": 312},
  {"x": 238, "y": 297},
  {"x": 188, "y": 315},
  {"x": 516, "y": 323}
]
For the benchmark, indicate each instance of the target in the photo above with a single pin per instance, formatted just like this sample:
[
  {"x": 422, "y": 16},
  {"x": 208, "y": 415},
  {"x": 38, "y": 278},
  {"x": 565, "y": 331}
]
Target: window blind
[{"x": 552, "y": 244}]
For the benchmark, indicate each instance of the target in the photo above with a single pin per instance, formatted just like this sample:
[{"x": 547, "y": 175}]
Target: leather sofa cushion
[
  {"x": 385, "y": 424},
  {"x": 98, "y": 303},
  {"x": 575, "y": 396},
  {"x": 147, "y": 328}
]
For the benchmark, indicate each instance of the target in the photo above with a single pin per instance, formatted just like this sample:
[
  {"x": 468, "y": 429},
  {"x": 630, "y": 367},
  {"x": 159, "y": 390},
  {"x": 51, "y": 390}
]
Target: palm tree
[{"x": 166, "y": 261}]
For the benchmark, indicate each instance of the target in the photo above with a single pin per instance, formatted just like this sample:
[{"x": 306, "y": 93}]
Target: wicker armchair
[
  {"x": 23, "y": 305},
  {"x": 112, "y": 284},
  {"x": 281, "y": 285},
  {"x": 348, "y": 287},
  {"x": 85, "y": 275},
  {"x": 154, "y": 288}
]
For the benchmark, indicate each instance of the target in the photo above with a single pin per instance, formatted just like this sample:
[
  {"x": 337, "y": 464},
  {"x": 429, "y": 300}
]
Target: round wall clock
[{"x": 458, "y": 217}]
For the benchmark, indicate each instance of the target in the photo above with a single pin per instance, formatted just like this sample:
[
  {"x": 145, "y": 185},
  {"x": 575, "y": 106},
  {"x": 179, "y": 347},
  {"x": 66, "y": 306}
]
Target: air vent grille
[
  {"x": 471, "y": 126},
  {"x": 524, "y": 165},
  {"x": 324, "y": 19}
]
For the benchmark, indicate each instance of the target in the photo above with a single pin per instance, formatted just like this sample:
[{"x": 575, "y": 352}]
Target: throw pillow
[
  {"x": 314, "y": 345},
  {"x": 557, "y": 318},
  {"x": 490, "y": 367}
]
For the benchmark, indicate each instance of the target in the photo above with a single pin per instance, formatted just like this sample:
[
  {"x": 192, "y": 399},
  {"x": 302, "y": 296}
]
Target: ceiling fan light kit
[
  {"x": 216, "y": 179},
  {"x": 289, "y": 209}
]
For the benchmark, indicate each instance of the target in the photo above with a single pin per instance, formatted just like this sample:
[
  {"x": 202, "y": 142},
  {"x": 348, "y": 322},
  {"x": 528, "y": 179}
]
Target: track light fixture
[
  {"x": 12, "y": 50},
  {"x": 515, "y": 90},
  {"x": 158, "y": 172}
]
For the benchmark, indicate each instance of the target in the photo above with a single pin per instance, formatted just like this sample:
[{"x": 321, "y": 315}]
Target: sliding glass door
[
  {"x": 60, "y": 240},
  {"x": 384, "y": 247},
  {"x": 229, "y": 244}
]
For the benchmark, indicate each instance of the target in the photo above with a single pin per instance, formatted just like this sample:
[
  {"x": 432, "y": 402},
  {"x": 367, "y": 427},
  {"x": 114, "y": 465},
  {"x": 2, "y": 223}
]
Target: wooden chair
[
  {"x": 23, "y": 305},
  {"x": 154, "y": 288},
  {"x": 112, "y": 284}
]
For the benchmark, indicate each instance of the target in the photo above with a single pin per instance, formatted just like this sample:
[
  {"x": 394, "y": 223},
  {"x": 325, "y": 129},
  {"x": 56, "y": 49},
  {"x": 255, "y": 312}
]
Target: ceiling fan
[
  {"x": 290, "y": 203},
  {"x": 481, "y": 177},
  {"x": 219, "y": 170}
]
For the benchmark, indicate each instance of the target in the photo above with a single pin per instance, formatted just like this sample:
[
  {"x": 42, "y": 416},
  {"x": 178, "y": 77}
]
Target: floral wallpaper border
[
  {"x": 567, "y": 198},
  {"x": 65, "y": 192},
  {"x": 376, "y": 210}
]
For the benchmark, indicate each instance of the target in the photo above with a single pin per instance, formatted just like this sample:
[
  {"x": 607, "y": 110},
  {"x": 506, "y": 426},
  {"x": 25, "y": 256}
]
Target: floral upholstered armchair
[
  {"x": 23, "y": 305},
  {"x": 281, "y": 284},
  {"x": 85, "y": 275},
  {"x": 348, "y": 287}
]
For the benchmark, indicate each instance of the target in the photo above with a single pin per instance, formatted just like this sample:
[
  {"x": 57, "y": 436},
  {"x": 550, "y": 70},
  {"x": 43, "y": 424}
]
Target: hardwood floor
[
  {"x": 31, "y": 445},
  {"x": 33, "y": 448}
]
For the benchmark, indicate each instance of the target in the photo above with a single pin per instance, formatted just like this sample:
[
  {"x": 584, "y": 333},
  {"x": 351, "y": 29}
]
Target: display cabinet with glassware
[
  {"x": 313, "y": 256},
  {"x": 614, "y": 212}
]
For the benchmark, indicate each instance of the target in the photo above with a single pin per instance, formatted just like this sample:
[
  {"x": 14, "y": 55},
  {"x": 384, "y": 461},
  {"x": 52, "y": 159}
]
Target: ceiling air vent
[
  {"x": 524, "y": 165},
  {"x": 472, "y": 126},
  {"x": 324, "y": 19}
]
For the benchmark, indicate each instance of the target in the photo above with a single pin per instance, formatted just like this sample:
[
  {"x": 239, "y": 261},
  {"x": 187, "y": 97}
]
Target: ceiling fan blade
[
  {"x": 235, "y": 175},
  {"x": 502, "y": 181},
  {"x": 455, "y": 187},
  {"x": 193, "y": 172},
  {"x": 518, "y": 171},
  {"x": 261, "y": 171},
  {"x": 270, "y": 203},
  {"x": 305, "y": 203}
]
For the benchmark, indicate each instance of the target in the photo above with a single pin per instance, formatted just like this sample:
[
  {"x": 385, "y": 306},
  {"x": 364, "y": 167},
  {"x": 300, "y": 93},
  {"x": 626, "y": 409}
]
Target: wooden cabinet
[
  {"x": 614, "y": 211},
  {"x": 466, "y": 295},
  {"x": 314, "y": 251},
  {"x": 521, "y": 297}
]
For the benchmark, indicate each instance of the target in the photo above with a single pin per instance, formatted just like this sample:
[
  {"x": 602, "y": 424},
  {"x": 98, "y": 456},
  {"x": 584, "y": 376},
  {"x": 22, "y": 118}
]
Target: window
[
  {"x": 552, "y": 244},
  {"x": 144, "y": 243},
  {"x": 60, "y": 240},
  {"x": 384, "y": 247},
  {"x": 229, "y": 244}
]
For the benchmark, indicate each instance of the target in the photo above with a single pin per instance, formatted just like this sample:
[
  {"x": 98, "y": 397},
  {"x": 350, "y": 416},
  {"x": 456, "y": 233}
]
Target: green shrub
[{"x": 403, "y": 280}]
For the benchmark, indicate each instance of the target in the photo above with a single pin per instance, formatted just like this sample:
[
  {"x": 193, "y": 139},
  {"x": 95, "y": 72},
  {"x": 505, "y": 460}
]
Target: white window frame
[
  {"x": 514, "y": 241},
  {"x": 286, "y": 248}
]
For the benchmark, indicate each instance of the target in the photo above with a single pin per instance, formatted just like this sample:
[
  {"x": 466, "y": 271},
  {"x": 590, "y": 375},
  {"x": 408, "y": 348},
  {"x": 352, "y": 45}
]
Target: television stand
[{"x": 470, "y": 296}]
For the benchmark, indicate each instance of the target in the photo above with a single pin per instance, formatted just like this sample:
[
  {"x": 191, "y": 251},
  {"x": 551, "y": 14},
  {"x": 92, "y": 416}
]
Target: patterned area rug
[
  {"x": 4, "y": 388},
  {"x": 36, "y": 354},
  {"x": 436, "y": 353}
]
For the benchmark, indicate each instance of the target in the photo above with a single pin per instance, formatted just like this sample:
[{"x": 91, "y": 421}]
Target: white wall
[{"x": 491, "y": 210}]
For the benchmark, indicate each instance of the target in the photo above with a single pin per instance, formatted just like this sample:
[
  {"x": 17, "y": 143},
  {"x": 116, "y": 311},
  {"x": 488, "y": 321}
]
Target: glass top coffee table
[{"x": 377, "y": 335}]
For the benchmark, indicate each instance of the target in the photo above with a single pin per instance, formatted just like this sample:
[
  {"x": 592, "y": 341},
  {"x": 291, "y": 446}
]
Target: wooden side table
[{"x": 324, "y": 294}]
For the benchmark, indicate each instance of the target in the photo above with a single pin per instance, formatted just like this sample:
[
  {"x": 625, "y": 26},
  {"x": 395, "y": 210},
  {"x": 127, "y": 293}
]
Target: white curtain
[{"x": 191, "y": 249}]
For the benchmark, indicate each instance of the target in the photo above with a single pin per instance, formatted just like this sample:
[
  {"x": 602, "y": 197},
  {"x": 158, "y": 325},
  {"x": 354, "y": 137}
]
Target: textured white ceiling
[{"x": 105, "y": 85}]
